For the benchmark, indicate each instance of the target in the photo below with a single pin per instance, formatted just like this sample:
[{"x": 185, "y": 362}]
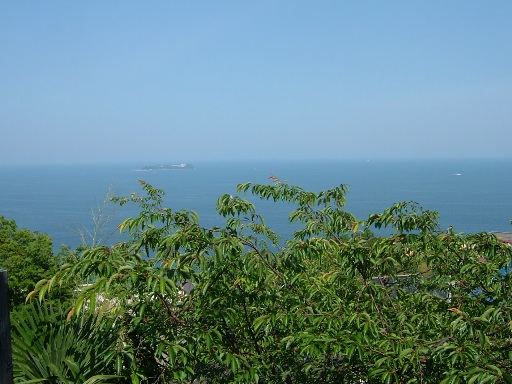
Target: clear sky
[{"x": 191, "y": 80}]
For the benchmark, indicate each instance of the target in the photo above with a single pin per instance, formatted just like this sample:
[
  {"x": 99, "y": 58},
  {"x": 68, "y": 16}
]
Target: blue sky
[{"x": 196, "y": 80}]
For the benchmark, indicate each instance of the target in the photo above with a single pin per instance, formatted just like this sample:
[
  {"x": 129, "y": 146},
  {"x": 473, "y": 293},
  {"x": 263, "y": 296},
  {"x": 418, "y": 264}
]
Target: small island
[{"x": 165, "y": 167}]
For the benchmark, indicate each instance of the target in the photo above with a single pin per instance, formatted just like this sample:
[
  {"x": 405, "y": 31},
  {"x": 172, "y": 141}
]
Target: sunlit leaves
[
  {"x": 46, "y": 346},
  {"x": 406, "y": 217},
  {"x": 333, "y": 303}
]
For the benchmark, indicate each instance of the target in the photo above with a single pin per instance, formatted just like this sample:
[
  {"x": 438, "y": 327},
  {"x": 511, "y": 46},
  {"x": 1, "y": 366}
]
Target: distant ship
[{"x": 164, "y": 167}]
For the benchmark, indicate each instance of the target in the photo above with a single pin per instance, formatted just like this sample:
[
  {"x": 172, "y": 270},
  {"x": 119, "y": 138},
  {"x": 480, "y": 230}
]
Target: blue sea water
[{"x": 470, "y": 195}]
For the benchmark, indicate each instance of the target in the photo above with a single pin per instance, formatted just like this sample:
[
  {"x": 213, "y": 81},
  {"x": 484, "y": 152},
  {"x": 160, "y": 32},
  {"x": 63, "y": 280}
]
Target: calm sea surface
[{"x": 60, "y": 200}]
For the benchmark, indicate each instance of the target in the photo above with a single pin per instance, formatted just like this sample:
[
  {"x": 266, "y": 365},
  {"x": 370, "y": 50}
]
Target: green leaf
[
  {"x": 135, "y": 378},
  {"x": 406, "y": 352}
]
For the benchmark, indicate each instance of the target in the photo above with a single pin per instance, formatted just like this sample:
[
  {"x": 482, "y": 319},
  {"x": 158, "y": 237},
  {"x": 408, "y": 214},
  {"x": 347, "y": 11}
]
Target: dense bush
[
  {"x": 27, "y": 256},
  {"x": 334, "y": 303}
]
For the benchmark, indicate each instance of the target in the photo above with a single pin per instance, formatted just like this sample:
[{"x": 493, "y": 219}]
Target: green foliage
[
  {"x": 334, "y": 304},
  {"x": 27, "y": 256},
  {"x": 47, "y": 347}
]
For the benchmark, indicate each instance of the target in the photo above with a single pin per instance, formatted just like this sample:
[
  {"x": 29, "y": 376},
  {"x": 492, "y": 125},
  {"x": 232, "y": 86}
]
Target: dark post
[{"x": 5, "y": 332}]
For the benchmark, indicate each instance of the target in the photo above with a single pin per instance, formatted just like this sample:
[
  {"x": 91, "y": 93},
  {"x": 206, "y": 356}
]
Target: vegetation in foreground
[{"x": 182, "y": 303}]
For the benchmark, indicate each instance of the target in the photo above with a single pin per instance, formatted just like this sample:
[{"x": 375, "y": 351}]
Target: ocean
[{"x": 471, "y": 195}]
